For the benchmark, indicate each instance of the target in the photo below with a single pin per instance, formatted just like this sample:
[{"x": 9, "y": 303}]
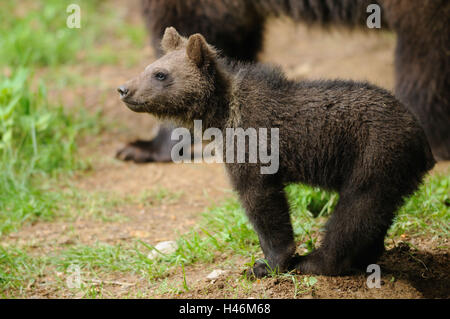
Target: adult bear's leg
[
  {"x": 422, "y": 64},
  {"x": 157, "y": 150}
]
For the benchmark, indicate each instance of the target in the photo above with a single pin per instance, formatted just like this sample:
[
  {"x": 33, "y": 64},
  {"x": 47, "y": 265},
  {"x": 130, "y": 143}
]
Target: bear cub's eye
[{"x": 160, "y": 76}]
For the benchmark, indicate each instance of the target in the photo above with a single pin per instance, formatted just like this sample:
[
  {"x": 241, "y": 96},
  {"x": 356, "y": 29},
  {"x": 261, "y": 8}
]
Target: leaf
[
  {"x": 312, "y": 281},
  {"x": 43, "y": 121},
  {"x": 6, "y": 112},
  {"x": 7, "y": 137}
]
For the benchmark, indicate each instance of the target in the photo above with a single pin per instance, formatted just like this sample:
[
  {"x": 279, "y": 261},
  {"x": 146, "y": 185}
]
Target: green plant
[{"x": 37, "y": 143}]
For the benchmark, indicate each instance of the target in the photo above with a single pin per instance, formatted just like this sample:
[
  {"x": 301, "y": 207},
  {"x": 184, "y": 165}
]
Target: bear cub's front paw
[{"x": 260, "y": 269}]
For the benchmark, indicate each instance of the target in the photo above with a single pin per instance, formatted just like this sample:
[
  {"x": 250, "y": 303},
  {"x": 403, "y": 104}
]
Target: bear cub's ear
[
  {"x": 172, "y": 40},
  {"x": 199, "y": 51}
]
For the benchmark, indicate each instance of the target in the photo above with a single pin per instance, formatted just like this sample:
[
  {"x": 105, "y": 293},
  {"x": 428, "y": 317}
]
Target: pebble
[
  {"x": 165, "y": 247},
  {"x": 215, "y": 274}
]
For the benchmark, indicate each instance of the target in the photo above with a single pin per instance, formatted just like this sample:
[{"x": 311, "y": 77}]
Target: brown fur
[
  {"x": 237, "y": 18},
  {"x": 422, "y": 64},
  {"x": 351, "y": 137}
]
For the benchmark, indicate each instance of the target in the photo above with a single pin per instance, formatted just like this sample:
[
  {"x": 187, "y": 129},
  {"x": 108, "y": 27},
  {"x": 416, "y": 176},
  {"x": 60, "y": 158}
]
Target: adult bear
[{"x": 236, "y": 27}]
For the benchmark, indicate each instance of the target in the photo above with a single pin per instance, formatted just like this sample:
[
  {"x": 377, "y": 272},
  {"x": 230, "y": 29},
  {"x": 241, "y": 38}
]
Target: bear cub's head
[{"x": 180, "y": 84}]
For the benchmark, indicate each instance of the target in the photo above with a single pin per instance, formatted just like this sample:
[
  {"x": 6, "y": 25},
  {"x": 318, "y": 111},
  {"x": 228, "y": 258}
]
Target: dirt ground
[{"x": 303, "y": 54}]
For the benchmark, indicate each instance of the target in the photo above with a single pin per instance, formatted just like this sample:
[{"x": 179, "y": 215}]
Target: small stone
[
  {"x": 215, "y": 274},
  {"x": 165, "y": 247}
]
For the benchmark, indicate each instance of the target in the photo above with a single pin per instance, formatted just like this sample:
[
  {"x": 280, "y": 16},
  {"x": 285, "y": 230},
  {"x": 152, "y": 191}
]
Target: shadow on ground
[{"x": 426, "y": 271}]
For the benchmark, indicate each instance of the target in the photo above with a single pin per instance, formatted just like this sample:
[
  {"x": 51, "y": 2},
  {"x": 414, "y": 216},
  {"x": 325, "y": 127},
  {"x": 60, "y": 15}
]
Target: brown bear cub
[{"x": 351, "y": 137}]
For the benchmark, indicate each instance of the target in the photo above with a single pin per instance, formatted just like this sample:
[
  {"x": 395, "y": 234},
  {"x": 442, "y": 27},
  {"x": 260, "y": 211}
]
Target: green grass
[
  {"x": 37, "y": 144},
  {"x": 38, "y": 137},
  {"x": 155, "y": 197},
  {"x": 302, "y": 286},
  {"x": 427, "y": 212},
  {"x": 18, "y": 270},
  {"x": 75, "y": 204},
  {"x": 223, "y": 229},
  {"x": 36, "y": 34}
]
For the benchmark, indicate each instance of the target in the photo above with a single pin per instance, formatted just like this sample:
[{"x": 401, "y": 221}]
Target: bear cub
[{"x": 350, "y": 137}]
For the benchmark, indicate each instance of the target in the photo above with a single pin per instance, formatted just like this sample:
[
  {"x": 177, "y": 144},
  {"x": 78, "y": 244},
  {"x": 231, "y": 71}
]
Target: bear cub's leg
[
  {"x": 354, "y": 233},
  {"x": 268, "y": 211}
]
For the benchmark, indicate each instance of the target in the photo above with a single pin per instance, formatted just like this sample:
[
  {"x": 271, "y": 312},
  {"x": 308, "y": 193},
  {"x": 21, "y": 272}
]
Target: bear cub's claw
[{"x": 259, "y": 270}]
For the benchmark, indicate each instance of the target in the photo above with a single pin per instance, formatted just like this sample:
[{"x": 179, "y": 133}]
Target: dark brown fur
[
  {"x": 351, "y": 137},
  {"x": 235, "y": 26},
  {"x": 421, "y": 60},
  {"x": 422, "y": 65}
]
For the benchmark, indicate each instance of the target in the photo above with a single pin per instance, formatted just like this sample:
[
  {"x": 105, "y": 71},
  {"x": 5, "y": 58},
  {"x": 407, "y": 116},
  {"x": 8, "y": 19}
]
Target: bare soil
[
  {"x": 303, "y": 54},
  {"x": 406, "y": 273}
]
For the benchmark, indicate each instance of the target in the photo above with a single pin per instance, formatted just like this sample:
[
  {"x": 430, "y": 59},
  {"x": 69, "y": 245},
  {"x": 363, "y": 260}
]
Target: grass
[
  {"x": 38, "y": 137},
  {"x": 427, "y": 212},
  {"x": 36, "y": 34},
  {"x": 302, "y": 286},
  {"x": 107, "y": 206},
  {"x": 37, "y": 144},
  {"x": 156, "y": 197},
  {"x": 18, "y": 270},
  {"x": 225, "y": 229}
]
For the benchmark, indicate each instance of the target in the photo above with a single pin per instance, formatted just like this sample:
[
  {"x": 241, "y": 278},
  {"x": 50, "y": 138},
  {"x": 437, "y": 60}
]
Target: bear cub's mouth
[
  {"x": 127, "y": 97},
  {"x": 134, "y": 106}
]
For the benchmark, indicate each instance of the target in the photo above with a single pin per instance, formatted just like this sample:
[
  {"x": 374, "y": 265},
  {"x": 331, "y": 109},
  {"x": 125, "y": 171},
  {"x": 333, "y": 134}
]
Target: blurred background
[{"x": 65, "y": 200}]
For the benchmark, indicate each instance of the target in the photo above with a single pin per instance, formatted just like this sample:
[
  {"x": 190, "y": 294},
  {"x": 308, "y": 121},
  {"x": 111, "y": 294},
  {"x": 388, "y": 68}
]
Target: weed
[{"x": 37, "y": 144}]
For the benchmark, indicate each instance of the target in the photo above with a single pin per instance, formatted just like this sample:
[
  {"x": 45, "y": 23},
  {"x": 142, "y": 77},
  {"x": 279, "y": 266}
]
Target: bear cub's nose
[{"x": 123, "y": 91}]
